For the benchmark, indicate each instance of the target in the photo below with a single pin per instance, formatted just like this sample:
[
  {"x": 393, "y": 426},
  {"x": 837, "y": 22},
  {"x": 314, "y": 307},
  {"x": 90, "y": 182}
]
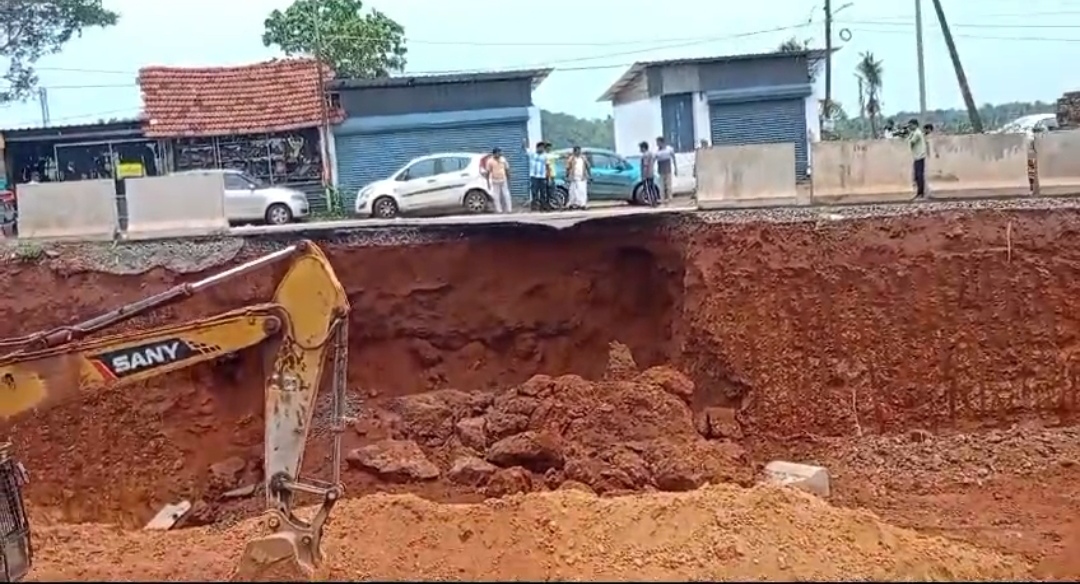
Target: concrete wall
[
  {"x": 179, "y": 205},
  {"x": 861, "y": 171},
  {"x": 761, "y": 175},
  {"x": 1058, "y": 159},
  {"x": 78, "y": 210},
  {"x": 978, "y": 165},
  {"x": 636, "y": 121}
]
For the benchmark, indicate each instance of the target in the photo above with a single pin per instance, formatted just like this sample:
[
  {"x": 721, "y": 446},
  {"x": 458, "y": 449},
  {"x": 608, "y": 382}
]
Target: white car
[
  {"x": 248, "y": 200},
  {"x": 448, "y": 182}
]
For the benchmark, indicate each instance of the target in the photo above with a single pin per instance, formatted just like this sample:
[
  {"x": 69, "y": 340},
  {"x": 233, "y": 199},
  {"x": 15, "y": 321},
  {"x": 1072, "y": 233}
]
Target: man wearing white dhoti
[{"x": 577, "y": 179}]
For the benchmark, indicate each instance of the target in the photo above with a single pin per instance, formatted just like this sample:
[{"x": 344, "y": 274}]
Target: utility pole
[
  {"x": 922, "y": 62},
  {"x": 324, "y": 107},
  {"x": 828, "y": 59},
  {"x": 961, "y": 79},
  {"x": 43, "y": 101}
]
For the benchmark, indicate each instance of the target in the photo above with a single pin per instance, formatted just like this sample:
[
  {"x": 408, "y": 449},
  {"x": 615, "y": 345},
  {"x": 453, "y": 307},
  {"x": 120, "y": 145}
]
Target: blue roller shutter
[
  {"x": 762, "y": 122},
  {"x": 365, "y": 158}
]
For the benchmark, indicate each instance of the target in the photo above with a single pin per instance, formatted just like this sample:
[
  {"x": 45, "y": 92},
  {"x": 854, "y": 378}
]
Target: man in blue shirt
[{"x": 538, "y": 179}]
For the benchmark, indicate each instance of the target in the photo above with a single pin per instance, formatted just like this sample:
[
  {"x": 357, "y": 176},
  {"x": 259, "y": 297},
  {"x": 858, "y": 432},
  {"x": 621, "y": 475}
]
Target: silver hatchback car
[{"x": 248, "y": 200}]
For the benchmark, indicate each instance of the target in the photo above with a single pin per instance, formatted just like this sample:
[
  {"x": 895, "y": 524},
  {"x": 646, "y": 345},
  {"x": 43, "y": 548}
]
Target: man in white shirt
[
  {"x": 666, "y": 166},
  {"x": 577, "y": 179}
]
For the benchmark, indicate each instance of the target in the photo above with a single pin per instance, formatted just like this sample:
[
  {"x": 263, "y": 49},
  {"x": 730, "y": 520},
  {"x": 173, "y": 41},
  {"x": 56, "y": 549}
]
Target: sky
[{"x": 1012, "y": 50}]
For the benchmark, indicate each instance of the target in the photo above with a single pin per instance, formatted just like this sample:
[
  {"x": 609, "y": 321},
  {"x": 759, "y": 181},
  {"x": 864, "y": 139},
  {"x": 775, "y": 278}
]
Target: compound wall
[
  {"x": 978, "y": 165},
  {"x": 83, "y": 210},
  {"x": 861, "y": 171},
  {"x": 1057, "y": 156},
  {"x": 179, "y": 205},
  {"x": 746, "y": 176}
]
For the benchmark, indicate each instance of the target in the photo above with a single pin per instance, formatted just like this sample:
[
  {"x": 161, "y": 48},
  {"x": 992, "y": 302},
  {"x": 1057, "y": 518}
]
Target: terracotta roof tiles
[{"x": 273, "y": 96}]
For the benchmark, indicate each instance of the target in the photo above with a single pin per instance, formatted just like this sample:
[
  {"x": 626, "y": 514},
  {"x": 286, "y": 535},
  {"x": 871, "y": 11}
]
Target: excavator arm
[{"x": 306, "y": 320}]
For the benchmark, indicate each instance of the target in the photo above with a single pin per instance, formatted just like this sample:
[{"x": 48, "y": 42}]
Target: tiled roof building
[{"x": 273, "y": 96}]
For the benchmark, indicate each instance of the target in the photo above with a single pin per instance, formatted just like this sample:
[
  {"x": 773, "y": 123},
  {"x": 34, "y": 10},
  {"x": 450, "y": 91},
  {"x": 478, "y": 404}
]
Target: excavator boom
[{"x": 306, "y": 319}]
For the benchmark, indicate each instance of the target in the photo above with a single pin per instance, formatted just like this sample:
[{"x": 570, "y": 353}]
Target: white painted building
[{"x": 741, "y": 99}]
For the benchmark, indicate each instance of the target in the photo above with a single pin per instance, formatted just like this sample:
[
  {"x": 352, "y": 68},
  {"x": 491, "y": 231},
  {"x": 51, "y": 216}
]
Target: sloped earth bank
[{"x": 927, "y": 360}]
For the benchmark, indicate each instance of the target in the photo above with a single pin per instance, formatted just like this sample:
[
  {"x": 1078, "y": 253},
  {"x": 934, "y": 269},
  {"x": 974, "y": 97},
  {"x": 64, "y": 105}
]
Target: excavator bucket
[
  {"x": 279, "y": 557},
  {"x": 292, "y": 551}
]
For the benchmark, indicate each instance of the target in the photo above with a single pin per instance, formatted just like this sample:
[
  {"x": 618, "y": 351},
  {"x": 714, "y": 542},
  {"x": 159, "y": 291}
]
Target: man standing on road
[
  {"x": 497, "y": 171},
  {"x": 665, "y": 165},
  {"x": 917, "y": 142},
  {"x": 577, "y": 177},
  {"x": 648, "y": 175},
  {"x": 537, "y": 176},
  {"x": 549, "y": 174}
]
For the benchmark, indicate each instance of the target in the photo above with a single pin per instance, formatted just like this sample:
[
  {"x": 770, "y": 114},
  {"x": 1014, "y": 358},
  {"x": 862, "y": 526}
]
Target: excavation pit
[{"x": 862, "y": 346}]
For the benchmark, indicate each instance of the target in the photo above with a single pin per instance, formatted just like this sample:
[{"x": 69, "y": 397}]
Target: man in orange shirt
[{"x": 497, "y": 170}]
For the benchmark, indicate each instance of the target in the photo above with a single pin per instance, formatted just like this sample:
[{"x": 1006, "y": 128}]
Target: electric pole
[
  {"x": 43, "y": 101},
  {"x": 828, "y": 59},
  {"x": 922, "y": 62},
  {"x": 324, "y": 107},
  {"x": 961, "y": 79}
]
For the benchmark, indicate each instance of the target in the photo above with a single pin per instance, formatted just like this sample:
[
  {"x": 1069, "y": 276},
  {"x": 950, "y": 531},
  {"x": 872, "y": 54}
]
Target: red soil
[{"x": 815, "y": 334}]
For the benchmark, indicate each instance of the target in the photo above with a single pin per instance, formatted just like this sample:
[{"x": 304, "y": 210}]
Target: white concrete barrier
[
  {"x": 1057, "y": 156},
  {"x": 75, "y": 210},
  {"x": 759, "y": 175},
  {"x": 978, "y": 165},
  {"x": 812, "y": 479},
  {"x": 178, "y": 205},
  {"x": 861, "y": 171}
]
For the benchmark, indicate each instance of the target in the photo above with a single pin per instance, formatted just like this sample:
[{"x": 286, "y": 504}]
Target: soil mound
[
  {"x": 719, "y": 533},
  {"x": 631, "y": 431}
]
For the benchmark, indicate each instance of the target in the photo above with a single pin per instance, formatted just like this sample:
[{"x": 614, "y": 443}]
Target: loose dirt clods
[
  {"x": 925, "y": 359},
  {"x": 719, "y": 533}
]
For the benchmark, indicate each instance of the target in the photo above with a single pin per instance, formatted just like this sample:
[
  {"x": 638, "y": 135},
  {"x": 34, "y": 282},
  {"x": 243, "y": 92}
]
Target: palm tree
[{"x": 870, "y": 71}]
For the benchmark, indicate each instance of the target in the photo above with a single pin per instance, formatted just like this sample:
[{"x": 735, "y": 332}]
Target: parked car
[
  {"x": 248, "y": 200},
  {"x": 614, "y": 178},
  {"x": 436, "y": 183}
]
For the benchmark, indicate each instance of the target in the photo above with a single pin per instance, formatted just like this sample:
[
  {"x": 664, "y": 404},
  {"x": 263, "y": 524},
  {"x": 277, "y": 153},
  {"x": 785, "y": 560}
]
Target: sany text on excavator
[{"x": 306, "y": 319}]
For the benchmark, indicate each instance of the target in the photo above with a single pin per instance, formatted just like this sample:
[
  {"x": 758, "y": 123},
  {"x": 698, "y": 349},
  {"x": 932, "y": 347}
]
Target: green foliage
[
  {"x": 565, "y": 130},
  {"x": 949, "y": 121},
  {"x": 335, "y": 206},
  {"x": 35, "y": 28},
  {"x": 28, "y": 252},
  {"x": 355, "y": 44},
  {"x": 794, "y": 45}
]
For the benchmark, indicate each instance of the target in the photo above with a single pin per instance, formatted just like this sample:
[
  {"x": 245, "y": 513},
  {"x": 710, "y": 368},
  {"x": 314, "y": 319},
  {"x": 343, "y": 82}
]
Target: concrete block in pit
[
  {"x": 178, "y": 205},
  {"x": 861, "y": 171},
  {"x": 759, "y": 175},
  {"x": 977, "y": 165},
  {"x": 71, "y": 210},
  {"x": 812, "y": 479},
  {"x": 1058, "y": 163}
]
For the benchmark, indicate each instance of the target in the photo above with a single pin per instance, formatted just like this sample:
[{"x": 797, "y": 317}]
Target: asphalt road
[{"x": 555, "y": 219}]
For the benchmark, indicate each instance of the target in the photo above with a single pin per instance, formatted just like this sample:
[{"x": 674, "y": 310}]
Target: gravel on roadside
[{"x": 196, "y": 255}]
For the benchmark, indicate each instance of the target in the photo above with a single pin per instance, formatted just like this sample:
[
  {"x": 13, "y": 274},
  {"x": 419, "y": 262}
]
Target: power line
[
  {"x": 1038, "y": 39},
  {"x": 970, "y": 25},
  {"x": 663, "y": 45}
]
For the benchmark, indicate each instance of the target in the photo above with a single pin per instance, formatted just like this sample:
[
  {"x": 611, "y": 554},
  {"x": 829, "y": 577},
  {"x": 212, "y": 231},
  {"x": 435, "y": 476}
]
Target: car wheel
[
  {"x": 384, "y": 208},
  {"x": 279, "y": 214},
  {"x": 638, "y": 196},
  {"x": 477, "y": 201},
  {"x": 560, "y": 197}
]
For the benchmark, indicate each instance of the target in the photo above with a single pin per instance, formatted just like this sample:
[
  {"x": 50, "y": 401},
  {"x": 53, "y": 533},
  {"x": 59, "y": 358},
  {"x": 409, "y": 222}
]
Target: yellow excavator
[{"x": 306, "y": 320}]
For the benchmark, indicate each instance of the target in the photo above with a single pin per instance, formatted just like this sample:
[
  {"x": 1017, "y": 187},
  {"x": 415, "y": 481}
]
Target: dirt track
[{"x": 926, "y": 360}]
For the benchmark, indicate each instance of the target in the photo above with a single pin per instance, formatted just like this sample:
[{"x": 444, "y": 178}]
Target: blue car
[{"x": 614, "y": 178}]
